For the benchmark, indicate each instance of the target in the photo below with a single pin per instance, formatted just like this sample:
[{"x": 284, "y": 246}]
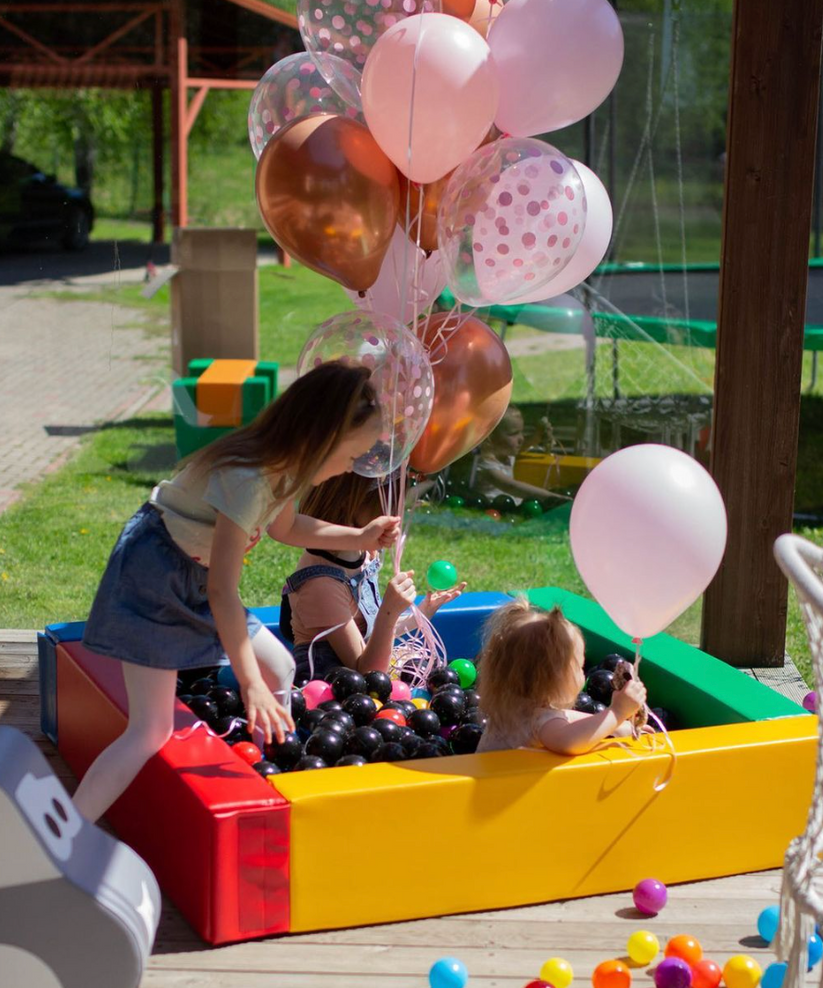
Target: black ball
[
  {"x": 308, "y": 762},
  {"x": 363, "y": 741},
  {"x": 504, "y": 504},
  {"x": 474, "y": 715},
  {"x": 442, "y": 677},
  {"x": 345, "y": 720},
  {"x": 390, "y": 752},
  {"x": 396, "y": 705},
  {"x": 600, "y": 707},
  {"x": 378, "y": 685},
  {"x": 266, "y": 768},
  {"x": 441, "y": 743},
  {"x": 326, "y": 744},
  {"x": 584, "y": 704},
  {"x": 478, "y": 501},
  {"x": 228, "y": 700},
  {"x": 348, "y": 682},
  {"x": 406, "y": 732},
  {"x": 387, "y": 729},
  {"x": 185, "y": 698},
  {"x": 311, "y": 720},
  {"x": 411, "y": 743},
  {"x": 330, "y": 706},
  {"x": 204, "y": 708},
  {"x": 351, "y": 760},
  {"x": 328, "y": 723},
  {"x": 361, "y": 707},
  {"x": 472, "y": 698},
  {"x": 202, "y": 686},
  {"x": 612, "y": 661},
  {"x": 407, "y": 708},
  {"x": 286, "y": 753},
  {"x": 466, "y": 738},
  {"x": 600, "y": 686},
  {"x": 180, "y": 687},
  {"x": 298, "y": 705},
  {"x": 410, "y": 673},
  {"x": 231, "y": 735},
  {"x": 448, "y": 707},
  {"x": 331, "y": 675},
  {"x": 664, "y": 716},
  {"x": 429, "y": 750},
  {"x": 452, "y": 688},
  {"x": 426, "y": 723}
]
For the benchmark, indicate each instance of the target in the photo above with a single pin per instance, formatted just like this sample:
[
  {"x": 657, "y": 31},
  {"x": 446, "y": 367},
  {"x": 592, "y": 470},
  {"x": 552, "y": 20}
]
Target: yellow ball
[
  {"x": 557, "y": 972},
  {"x": 741, "y": 971},
  {"x": 420, "y": 703},
  {"x": 643, "y": 947},
  {"x": 377, "y": 702}
]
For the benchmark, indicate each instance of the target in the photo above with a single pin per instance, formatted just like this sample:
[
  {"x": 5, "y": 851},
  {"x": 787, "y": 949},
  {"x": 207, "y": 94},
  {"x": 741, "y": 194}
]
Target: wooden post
[
  {"x": 773, "y": 96},
  {"x": 157, "y": 157},
  {"x": 178, "y": 83}
]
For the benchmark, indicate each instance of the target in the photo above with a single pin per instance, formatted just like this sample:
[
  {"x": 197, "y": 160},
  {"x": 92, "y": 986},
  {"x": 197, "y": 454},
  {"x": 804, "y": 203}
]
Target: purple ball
[
  {"x": 810, "y": 702},
  {"x": 650, "y": 896},
  {"x": 446, "y": 732},
  {"x": 672, "y": 973}
]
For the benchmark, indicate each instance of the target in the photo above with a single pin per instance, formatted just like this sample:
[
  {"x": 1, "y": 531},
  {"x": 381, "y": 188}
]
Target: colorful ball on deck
[
  {"x": 672, "y": 972},
  {"x": 815, "y": 950},
  {"x": 420, "y": 694},
  {"x": 810, "y": 702},
  {"x": 558, "y": 972},
  {"x": 742, "y": 971},
  {"x": 773, "y": 975},
  {"x": 400, "y": 690},
  {"x": 767, "y": 922},
  {"x": 448, "y": 972},
  {"x": 454, "y": 501},
  {"x": 389, "y": 713},
  {"x": 650, "y": 896},
  {"x": 249, "y": 752},
  {"x": 686, "y": 948},
  {"x": 611, "y": 974},
  {"x": 420, "y": 703},
  {"x": 531, "y": 509},
  {"x": 538, "y": 984},
  {"x": 466, "y": 672},
  {"x": 315, "y": 692},
  {"x": 706, "y": 974},
  {"x": 441, "y": 575},
  {"x": 493, "y": 513},
  {"x": 643, "y": 947}
]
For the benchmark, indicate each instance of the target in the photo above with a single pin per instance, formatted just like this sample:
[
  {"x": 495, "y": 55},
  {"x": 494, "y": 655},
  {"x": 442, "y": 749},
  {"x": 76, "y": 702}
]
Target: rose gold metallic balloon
[
  {"x": 410, "y": 208},
  {"x": 484, "y": 14},
  {"x": 459, "y": 8},
  {"x": 472, "y": 388},
  {"x": 329, "y": 196}
]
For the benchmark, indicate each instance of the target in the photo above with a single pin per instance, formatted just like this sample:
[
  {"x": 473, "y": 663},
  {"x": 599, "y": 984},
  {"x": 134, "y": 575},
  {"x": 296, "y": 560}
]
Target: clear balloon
[
  {"x": 408, "y": 284},
  {"x": 400, "y": 371},
  {"x": 647, "y": 531},
  {"x": 342, "y": 31},
  {"x": 429, "y": 94},
  {"x": 558, "y": 60},
  {"x": 510, "y": 220},
  {"x": 292, "y": 88}
]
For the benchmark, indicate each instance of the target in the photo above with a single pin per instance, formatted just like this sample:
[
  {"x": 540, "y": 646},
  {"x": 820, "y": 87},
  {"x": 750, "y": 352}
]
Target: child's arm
[
  {"x": 230, "y": 617},
  {"x": 517, "y": 488},
  {"x": 430, "y": 605},
  {"x": 303, "y": 531},
  {"x": 576, "y": 733}
]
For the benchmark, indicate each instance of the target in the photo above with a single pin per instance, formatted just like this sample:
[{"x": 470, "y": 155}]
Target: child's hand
[
  {"x": 400, "y": 592},
  {"x": 626, "y": 702},
  {"x": 435, "y": 599},
  {"x": 263, "y": 711},
  {"x": 380, "y": 533}
]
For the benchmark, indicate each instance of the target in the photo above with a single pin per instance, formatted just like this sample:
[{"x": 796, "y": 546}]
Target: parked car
[{"x": 35, "y": 208}]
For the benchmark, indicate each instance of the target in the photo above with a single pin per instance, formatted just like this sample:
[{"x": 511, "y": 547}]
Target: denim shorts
[{"x": 151, "y": 606}]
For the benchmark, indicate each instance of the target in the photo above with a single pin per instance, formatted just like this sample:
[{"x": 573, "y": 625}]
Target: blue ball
[
  {"x": 773, "y": 976},
  {"x": 226, "y": 677},
  {"x": 448, "y": 972},
  {"x": 767, "y": 923},
  {"x": 815, "y": 950},
  {"x": 420, "y": 694}
]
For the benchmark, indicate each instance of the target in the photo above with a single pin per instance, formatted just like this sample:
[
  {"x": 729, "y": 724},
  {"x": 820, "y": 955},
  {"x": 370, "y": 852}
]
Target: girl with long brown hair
[
  {"x": 169, "y": 600},
  {"x": 530, "y": 672}
]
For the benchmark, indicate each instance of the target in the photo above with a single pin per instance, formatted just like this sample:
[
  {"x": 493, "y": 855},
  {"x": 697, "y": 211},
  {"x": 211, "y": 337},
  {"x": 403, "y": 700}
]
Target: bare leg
[{"x": 151, "y": 719}]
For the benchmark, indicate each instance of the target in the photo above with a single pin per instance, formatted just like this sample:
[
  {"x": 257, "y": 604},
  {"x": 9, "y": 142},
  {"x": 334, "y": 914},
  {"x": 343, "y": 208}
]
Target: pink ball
[
  {"x": 316, "y": 692},
  {"x": 810, "y": 702},
  {"x": 400, "y": 690},
  {"x": 672, "y": 973},
  {"x": 650, "y": 896}
]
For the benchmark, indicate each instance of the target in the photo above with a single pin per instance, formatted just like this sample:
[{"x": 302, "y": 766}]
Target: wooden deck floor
[{"x": 504, "y": 948}]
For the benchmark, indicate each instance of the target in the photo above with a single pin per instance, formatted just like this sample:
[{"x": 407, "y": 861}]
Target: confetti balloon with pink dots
[
  {"x": 400, "y": 371},
  {"x": 510, "y": 220},
  {"x": 336, "y": 31}
]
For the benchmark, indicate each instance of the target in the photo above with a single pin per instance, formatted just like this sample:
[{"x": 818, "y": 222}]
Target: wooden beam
[
  {"x": 157, "y": 157},
  {"x": 197, "y": 82},
  {"x": 31, "y": 40},
  {"x": 109, "y": 40},
  {"x": 178, "y": 64},
  {"x": 194, "y": 108},
  {"x": 774, "y": 87}
]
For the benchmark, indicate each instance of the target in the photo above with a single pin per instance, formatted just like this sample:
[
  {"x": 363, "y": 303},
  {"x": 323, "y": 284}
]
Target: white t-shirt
[
  {"x": 190, "y": 502},
  {"x": 484, "y": 483},
  {"x": 523, "y": 735}
]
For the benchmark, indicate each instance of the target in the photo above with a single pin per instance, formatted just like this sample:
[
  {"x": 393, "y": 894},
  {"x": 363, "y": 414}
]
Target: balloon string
[{"x": 189, "y": 731}]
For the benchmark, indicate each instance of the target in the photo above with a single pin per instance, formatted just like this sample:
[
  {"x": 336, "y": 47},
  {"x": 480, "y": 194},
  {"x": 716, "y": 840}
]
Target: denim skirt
[{"x": 151, "y": 606}]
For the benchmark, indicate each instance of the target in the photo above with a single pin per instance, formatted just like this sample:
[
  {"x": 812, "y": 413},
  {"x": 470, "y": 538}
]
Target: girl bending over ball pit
[
  {"x": 168, "y": 599},
  {"x": 530, "y": 672},
  {"x": 339, "y": 591}
]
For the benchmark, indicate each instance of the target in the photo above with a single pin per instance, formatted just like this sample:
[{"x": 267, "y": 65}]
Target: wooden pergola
[{"x": 189, "y": 47}]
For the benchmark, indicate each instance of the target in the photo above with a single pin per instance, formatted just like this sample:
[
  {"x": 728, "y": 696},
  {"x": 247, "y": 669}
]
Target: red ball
[
  {"x": 538, "y": 983},
  {"x": 248, "y": 752},
  {"x": 391, "y": 714},
  {"x": 706, "y": 974},
  {"x": 494, "y": 513}
]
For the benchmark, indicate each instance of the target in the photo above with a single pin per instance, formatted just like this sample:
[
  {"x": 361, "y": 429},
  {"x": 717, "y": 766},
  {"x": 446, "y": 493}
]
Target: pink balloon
[
  {"x": 648, "y": 531},
  {"x": 406, "y": 273},
  {"x": 429, "y": 94},
  {"x": 400, "y": 690},
  {"x": 316, "y": 692},
  {"x": 557, "y": 59},
  {"x": 510, "y": 220},
  {"x": 597, "y": 235},
  {"x": 400, "y": 371},
  {"x": 292, "y": 88}
]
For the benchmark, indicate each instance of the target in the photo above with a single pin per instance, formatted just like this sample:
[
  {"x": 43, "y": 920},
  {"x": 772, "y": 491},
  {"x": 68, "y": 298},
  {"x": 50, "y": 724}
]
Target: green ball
[
  {"x": 531, "y": 509},
  {"x": 441, "y": 575},
  {"x": 466, "y": 672},
  {"x": 454, "y": 501}
]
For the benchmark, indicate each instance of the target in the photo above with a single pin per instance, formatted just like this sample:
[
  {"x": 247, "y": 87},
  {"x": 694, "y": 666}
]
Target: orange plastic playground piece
[{"x": 220, "y": 392}]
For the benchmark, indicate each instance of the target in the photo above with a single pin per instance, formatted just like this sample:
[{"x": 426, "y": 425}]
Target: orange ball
[
  {"x": 706, "y": 974},
  {"x": 391, "y": 714},
  {"x": 611, "y": 974},
  {"x": 686, "y": 948}
]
